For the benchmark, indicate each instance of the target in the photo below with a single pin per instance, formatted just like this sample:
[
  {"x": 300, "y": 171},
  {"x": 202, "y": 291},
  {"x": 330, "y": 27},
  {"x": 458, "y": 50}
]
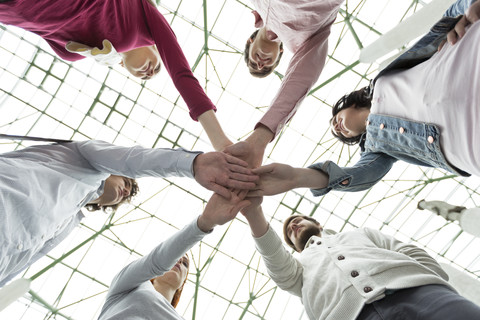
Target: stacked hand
[
  {"x": 220, "y": 210},
  {"x": 218, "y": 171}
]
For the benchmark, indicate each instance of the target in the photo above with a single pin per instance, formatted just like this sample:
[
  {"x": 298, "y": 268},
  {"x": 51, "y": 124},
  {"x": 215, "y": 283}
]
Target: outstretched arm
[
  {"x": 277, "y": 178},
  {"x": 214, "y": 131},
  {"x": 161, "y": 259},
  {"x": 282, "y": 267}
]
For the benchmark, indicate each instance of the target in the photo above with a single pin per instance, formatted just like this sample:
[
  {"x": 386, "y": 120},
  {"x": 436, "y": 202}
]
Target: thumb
[
  {"x": 221, "y": 190},
  {"x": 242, "y": 205},
  {"x": 264, "y": 169}
]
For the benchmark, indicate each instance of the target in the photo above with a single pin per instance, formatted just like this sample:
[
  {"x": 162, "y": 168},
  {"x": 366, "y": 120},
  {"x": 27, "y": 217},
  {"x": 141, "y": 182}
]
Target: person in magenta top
[
  {"x": 134, "y": 28},
  {"x": 303, "y": 26}
]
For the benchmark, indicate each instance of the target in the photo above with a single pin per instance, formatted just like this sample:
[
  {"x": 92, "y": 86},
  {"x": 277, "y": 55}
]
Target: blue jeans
[{"x": 430, "y": 302}]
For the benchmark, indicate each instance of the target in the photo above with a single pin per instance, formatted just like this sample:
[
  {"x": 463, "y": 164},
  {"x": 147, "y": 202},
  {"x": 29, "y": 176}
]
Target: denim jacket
[{"x": 389, "y": 139}]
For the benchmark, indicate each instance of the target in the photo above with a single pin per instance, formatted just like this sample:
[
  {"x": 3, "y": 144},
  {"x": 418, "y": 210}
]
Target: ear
[{"x": 250, "y": 40}]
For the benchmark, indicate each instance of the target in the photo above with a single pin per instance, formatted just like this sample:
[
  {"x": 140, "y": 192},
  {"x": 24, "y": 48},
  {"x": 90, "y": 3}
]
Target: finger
[
  {"x": 264, "y": 169},
  {"x": 221, "y": 190},
  {"x": 442, "y": 44},
  {"x": 239, "y": 169},
  {"x": 242, "y": 193},
  {"x": 235, "y": 184},
  {"x": 451, "y": 37},
  {"x": 459, "y": 30},
  {"x": 234, "y": 160},
  {"x": 242, "y": 205},
  {"x": 255, "y": 193},
  {"x": 244, "y": 177}
]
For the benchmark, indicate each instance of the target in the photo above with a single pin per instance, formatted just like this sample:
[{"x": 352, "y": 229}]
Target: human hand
[
  {"x": 252, "y": 209},
  {"x": 218, "y": 171},
  {"x": 220, "y": 210},
  {"x": 252, "y": 149},
  {"x": 247, "y": 151},
  {"x": 275, "y": 178},
  {"x": 471, "y": 15}
]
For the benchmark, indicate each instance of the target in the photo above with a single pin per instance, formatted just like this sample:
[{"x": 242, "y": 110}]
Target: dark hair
[
  {"x": 95, "y": 207},
  {"x": 361, "y": 98},
  {"x": 266, "y": 70},
  {"x": 285, "y": 225}
]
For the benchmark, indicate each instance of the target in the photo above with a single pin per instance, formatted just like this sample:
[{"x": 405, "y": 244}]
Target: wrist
[
  {"x": 204, "y": 225},
  {"x": 310, "y": 178},
  {"x": 261, "y": 136},
  {"x": 214, "y": 131}
]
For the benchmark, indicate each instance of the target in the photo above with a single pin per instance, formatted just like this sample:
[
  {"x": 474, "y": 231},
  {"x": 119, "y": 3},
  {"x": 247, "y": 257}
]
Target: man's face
[
  {"x": 143, "y": 62},
  {"x": 263, "y": 54},
  {"x": 299, "y": 230},
  {"x": 116, "y": 189}
]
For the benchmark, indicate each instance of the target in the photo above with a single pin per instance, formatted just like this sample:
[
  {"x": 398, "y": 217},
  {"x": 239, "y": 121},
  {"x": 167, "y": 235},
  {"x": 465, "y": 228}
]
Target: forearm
[
  {"x": 282, "y": 267},
  {"x": 214, "y": 131},
  {"x": 137, "y": 161},
  {"x": 161, "y": 259},
  {"x": 310, "y": 178},
  {"x": 258, "y": 224},
  {"x": 261, "y": 136}
]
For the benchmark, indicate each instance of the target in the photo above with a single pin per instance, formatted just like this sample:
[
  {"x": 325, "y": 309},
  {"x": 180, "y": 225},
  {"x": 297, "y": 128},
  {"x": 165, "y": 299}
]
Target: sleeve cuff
[{"x": 185, "y": 162}]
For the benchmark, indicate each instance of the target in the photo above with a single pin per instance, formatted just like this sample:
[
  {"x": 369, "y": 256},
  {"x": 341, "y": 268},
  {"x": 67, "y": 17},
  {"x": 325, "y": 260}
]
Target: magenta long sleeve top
[{"x": 128, "y": 24}]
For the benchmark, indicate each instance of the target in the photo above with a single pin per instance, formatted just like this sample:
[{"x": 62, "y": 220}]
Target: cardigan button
[
  {"x": 341, "y": 257},
  {"x": 354, "y": 273},
  {"x": 430, "y": 139},
  {"x": 319, "y": 242},
  {"x": 382, "y": 126},
  {"x": 312, "y": 241},
  {"x": 367, "y": 289},
  {"x": 401, "y": 130}
]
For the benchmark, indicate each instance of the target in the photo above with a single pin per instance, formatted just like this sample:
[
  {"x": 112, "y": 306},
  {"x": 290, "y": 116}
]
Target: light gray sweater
[
  {"x": 336, "y": 275},
  {"x": 132, "y": 296}
]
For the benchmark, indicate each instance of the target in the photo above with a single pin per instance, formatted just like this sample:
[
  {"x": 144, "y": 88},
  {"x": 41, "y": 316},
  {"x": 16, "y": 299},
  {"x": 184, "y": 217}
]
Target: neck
[
  {"x": 262, "y": 37},
  {"x": 165, "y": 290}
]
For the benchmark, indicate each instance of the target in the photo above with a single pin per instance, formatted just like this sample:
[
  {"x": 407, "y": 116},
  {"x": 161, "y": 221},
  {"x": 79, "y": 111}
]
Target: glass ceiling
[{"x": 42, "y": 95}]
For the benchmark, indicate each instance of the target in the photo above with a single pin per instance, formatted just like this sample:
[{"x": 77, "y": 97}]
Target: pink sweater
[
  {"x": 128, "y": 24},
  {"x": 303, "y": 26}
]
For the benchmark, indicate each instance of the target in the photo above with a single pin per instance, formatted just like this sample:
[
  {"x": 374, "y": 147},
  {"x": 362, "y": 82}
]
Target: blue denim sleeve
[
  {"x": 458, "y": 8},
  {"x": 363, "y": 175}
]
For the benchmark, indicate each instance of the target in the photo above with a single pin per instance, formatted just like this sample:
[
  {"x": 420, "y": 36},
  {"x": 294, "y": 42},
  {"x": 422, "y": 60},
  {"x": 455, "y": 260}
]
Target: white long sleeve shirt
[
  {"x": 336, "y": 275},
  {"x": 43, "y": 188}
]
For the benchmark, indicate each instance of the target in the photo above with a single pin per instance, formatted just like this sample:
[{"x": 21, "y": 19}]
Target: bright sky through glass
[{"x": 44, "y": 96}]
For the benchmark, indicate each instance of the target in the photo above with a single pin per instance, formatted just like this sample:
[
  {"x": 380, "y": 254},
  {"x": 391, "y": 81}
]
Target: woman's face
[
  {"x": 350, "y": 122},
  {"x": 176, "y": 276},
  {"x": 143, "y": 62}
]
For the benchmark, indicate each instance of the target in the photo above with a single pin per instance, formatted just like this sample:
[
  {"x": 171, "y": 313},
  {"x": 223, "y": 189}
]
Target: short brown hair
[
  {"x": 95, "y": 207},
  {"x": 285, "y": 225},
  {"x": 266, "y": 70}
]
